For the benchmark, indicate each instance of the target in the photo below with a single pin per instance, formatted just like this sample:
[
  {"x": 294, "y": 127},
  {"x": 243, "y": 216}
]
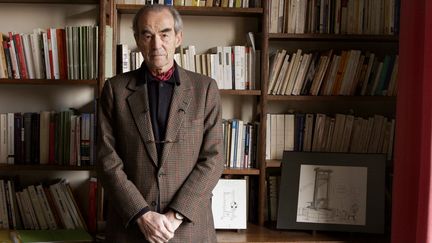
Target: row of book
[
  {"x": 233, "y": 67},
  {"x": 54, "y": 53},
  {"x": 375, "y": 17},
  {"x": 349, "y": 72},
  {"x": 199, "y": 3},
  {"x": 325, "y": 133},
  {"x": 240, "y": 143},
  {"x": 39, "y": 206},
  {"x": 62, "y": 138}
]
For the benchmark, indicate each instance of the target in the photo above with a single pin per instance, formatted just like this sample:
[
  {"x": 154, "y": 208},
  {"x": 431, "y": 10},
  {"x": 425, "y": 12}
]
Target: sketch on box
[
  {"x": 229, "y": 204},
  {"x": 332, "y": 195}
]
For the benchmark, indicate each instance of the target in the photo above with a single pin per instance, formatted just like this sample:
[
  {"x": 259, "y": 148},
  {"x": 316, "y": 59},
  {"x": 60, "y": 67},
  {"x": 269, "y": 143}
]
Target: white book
[
  {"x": 58, "y": 199},
  {"x": 304, "y": 66},
  {"x": 268, "y": 137},
  {"x": 28, "y": 207},
  {"x": 280, "y": 135},
  {"x": 28, "y": 55},
  {"x": 39, "y": 212},
  {"x": 273, "y": 137},
  {"x": 294, "y": 72},
  {"x": 281, "y": 77},
  {"x": 275, "y": 69},
  {"x": 192, "y": 53},
  {"x": 14, "y": 210},
  {"x": 55, "y": 57},
  {"x": 10, "y": 138},
  {"x": 234, "y": 131},
  {"x": 21, "y": 207},
  {"x": 239, "y": 67},
  {"x": 14, "y": 60},
  {"x": 221, "y": 62},
  {"x": 70, "y": 202},
  {"x": 46, "y": 207},
  {"x": 76, "y": 52},
  {"x": 3, "y": 139},
  {"x": 288, "y": 74},
  {"x": 38, "y": 54},
  {"x": 289, "y": 132},
  {"x": 239, "y": 147},
  {"x": 228, "y": 78}
]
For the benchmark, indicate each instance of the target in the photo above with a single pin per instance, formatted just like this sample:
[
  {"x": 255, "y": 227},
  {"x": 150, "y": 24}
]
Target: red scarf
[{"x": 164, "y": 76}]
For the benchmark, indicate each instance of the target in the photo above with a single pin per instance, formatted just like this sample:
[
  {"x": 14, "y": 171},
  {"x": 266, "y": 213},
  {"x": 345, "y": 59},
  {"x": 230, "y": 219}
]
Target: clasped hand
[{"x": 158, "y": 228}]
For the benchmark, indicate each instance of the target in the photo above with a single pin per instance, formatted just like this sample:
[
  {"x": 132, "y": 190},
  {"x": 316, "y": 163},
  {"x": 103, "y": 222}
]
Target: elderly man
[{"x": 160, "y": 141}]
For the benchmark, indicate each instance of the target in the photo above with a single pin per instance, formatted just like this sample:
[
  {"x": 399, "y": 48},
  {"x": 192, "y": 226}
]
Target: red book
[
  {"x": 50, "y": 54},
  {"x": 61, "y": 47},
  {"x": 20, "y": 54},
  {"x": 91, "y": 219}
]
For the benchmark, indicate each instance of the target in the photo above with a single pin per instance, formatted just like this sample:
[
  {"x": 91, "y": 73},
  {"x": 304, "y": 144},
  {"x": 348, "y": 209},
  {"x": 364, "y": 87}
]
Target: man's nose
[{"x": 157, "y": 42}]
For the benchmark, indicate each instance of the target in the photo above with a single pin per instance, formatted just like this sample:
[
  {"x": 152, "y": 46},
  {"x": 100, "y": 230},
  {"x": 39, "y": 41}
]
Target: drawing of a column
[{"x": 321, "y": 189}]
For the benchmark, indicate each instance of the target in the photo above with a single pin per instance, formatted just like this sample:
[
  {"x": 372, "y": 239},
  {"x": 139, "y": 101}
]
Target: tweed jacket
[{"x": 190, "y": 165}]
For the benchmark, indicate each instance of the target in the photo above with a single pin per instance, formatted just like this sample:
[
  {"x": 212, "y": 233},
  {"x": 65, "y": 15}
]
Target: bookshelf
[{"x": 35, "y": 95}]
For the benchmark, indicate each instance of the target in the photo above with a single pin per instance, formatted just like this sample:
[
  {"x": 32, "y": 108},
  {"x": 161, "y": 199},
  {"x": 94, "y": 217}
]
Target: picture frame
[{"x": 332, "y": 192}]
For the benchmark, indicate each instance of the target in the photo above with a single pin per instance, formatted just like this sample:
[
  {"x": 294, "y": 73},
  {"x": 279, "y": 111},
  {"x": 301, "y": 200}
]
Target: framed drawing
[
  {"x": 332, "y": 191},
  {"x": 229, "y": 204}
]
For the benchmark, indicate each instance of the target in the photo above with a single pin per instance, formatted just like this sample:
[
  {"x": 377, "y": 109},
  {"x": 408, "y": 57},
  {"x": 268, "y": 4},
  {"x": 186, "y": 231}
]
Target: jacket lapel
[
  {"x": 178, "y": 109},
  {"x": 139, "y": 107}
]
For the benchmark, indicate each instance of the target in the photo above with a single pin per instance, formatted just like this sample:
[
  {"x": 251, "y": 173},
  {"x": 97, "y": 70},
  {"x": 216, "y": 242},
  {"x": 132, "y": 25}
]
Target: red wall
[{"x": 412, "y": 167}]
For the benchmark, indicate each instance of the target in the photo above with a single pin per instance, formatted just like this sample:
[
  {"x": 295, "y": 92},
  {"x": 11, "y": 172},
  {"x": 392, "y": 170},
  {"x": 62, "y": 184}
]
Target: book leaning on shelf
[
  {"x": 48, "y": 137},
  {"x": 348, "y": 72},
  {"x": 53, "y": 53}
]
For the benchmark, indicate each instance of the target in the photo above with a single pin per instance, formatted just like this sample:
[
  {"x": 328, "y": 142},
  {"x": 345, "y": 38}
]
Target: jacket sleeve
[
  {"x": 122, "y": 192},
  {"x": 197, "y": 188}
]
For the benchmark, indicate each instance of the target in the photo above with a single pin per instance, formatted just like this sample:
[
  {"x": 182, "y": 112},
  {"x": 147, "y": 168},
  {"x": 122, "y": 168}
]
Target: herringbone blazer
[{"x": 190, "y": 165}]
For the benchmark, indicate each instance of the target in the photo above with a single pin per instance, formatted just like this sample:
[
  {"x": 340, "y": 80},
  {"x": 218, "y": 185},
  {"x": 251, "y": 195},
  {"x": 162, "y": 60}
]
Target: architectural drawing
[
  {"x": 229, "y": 204},
  {"x": 332, "y": 194}
]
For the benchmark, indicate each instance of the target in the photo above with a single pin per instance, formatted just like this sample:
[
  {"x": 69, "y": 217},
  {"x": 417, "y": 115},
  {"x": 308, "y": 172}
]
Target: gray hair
[{"x": 178, "y": 22}]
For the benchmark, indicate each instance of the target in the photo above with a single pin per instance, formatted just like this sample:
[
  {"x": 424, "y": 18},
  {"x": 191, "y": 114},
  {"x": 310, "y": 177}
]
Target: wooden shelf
[
  {"x": 49, "y": 81},
  {"x": 331, "y": 98},
  {"x": 333, "y": 37},
  {"x": 257, "y": 234},
  {"x": 198, "y": 11},
  {"x": 239, "y": 92},
  {"x": 5, "y": 167},
  {"x": 240, "y": 171},
  {"x": 273, "y": 163},
  {"x": 52, "y": 1}
]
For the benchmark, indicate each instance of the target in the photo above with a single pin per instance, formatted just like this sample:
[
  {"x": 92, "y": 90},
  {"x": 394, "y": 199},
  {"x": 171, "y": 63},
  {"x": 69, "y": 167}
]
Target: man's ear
[
  {"x": 136, "y": 38},
  {"x": 178, "y": 38}
]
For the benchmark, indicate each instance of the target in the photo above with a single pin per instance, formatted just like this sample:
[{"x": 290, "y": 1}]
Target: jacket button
[{"x": 153, "y": 203}]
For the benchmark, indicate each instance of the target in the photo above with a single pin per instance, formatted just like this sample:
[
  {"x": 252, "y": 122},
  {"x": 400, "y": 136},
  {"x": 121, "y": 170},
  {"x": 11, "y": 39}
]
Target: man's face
[{"x": 157, "y": 40}]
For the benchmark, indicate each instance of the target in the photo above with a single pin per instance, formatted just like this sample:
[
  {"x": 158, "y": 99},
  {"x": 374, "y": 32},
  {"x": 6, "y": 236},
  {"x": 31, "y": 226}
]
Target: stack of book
[{"x": 199, "y": 3}]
